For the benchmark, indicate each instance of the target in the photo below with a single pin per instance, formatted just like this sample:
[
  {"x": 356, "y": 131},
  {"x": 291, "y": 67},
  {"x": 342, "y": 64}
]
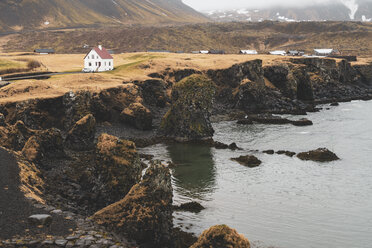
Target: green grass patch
[
  {"x": 139, "y": 59},
  {"x": 8, "y": 64}
]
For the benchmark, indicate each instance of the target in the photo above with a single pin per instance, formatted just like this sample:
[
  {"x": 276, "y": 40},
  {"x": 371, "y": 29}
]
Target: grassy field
[{"x": 128, "y": 67}]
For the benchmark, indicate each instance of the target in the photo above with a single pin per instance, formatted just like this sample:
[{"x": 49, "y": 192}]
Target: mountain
[
  {"x": 350, "y": 38},
  {"x": 344, "y": 10},
  {"x": 36, "y": 14}
]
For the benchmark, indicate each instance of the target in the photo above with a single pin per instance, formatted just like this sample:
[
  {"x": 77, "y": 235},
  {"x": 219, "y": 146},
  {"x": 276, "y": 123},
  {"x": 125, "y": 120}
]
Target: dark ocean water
[{"x": 285, "y": 202}]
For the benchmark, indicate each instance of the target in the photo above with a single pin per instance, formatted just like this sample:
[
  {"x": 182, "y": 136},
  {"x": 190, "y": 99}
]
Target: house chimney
[{"x": 100, "y": 47}]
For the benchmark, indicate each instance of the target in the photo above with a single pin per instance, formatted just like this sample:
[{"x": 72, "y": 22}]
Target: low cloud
[{"x": 233, "y": 4}]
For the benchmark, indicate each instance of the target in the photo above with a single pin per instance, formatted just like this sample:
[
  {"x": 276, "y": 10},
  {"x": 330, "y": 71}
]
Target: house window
[
  {"x": 109, "y": 63},
  {"x": 90, "y": 64}
]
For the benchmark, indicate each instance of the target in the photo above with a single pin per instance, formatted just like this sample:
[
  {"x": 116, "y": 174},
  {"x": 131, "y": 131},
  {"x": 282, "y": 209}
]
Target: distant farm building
[
  {"x": 44, "y": 51},
  {"x": 158, "y": 51},
  {"x": 295, "y": 53},
  {"x": 216, "y": 52},
  {"x": 252, "y": 52},
  {"x": 98, "y": 59},
  {"x": 278, "y": 52},
  {"x": 324, "y": 52}
]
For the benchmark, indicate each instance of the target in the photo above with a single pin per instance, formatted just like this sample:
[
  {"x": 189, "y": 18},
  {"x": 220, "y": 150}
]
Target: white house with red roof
[{"x": 98, "y": 59}]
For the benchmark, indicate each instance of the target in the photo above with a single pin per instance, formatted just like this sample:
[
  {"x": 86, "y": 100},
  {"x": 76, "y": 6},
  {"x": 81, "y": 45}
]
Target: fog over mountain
[
  {"x": 285, "y": 10},
  {"x": 206, "y": 5}
]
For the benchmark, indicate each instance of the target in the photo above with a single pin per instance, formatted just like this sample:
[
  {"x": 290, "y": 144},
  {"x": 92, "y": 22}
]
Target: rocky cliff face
[
  {"x": 81, "y": 135},
  {"x": 188, "y": 117},
  {"x": 56, "y": 137},
  {"x": 145, "y": 213}
]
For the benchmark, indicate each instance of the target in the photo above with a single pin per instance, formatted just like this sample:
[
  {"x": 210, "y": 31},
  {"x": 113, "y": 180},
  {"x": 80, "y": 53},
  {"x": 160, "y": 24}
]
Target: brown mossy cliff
[
  {"x": 81, "y": 135},
  {"x": 188, "y": 117},
  {"x": 117, "y": 165},
  {"x": 145, "y": 213}
]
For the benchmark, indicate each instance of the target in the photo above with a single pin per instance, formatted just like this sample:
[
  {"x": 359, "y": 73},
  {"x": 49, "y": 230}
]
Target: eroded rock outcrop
[
  {"x": 44, "y": 144},
  {"x": 281, "y": 77},
  {"x": 233, "y": 76},
  {"x": 15, "y": 136},
  {"x": 81, "y": 135},
  {"x": 221, "y": 236},
  {"x": 145, "y": 213},
  {"x": 188, "y": 118},
  {"x": 117, "y": 165},
  {"x": 154, "y": 92},
  {"x": 138, "y": 116}
]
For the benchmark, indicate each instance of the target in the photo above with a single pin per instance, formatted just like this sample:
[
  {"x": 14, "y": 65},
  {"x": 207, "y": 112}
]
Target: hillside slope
[
  {"x": 349, "y": 37},
  {"x": 31, "y": 14}
]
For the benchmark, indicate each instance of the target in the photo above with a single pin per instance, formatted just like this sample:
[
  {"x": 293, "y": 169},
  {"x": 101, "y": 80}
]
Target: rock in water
[
  {"x": 194, "y": 207},
  {"x": 221, "y": 236},
  {"x": 81, "y": 135},
  {"x": 249, "y": 160},
  {"x": 145, "y": 213},
  {"x": 138, "y": 116},
  {"x": 302, "y": 122},
  {"x": 288, "y": 153},
  {"x": 320, "y": 155},
  {"x": 118, "y": 165},
  {"x": 188, "y": 118}
]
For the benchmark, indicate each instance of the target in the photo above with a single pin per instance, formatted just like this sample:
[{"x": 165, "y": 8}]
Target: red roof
[{"x": 104, "y": 54}]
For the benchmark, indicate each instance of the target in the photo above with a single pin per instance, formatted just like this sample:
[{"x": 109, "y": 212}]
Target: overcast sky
[{"x": 230, "y": 4}]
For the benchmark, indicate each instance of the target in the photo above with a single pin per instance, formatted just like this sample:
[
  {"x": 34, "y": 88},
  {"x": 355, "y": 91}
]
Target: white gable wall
[{"x": 95, "y": 63}]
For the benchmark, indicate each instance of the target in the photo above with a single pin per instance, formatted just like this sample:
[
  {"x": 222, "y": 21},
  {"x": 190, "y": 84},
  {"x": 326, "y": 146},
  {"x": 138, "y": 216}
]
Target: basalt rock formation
[
  {"x": 43, "y": 145},
  {"x": 188, "y": 117},
  {"x": 282, "y": 78},
  {"x": 138, "y": 116},
  {"x": 145, "y": 213},
  {"x": 81, "y": 135},
  {"x": 15, "y": 136},
  {"x": 117, "y": 165},
  {"x": 221, "y": 236}
]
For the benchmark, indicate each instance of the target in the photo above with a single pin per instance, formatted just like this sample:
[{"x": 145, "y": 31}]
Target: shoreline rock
[
  {"x": 193, "y": 207},
  {"x": 248, "y": 160},
  {"x": 188, "y": 117},
  {"x": 319, "y": 155},
  {"x": 145, "y": 213},
  {"x": 221, "y": 236}
]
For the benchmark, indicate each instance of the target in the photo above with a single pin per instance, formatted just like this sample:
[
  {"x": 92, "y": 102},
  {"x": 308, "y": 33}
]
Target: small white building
[
  {"x": 278, "y": 52},
  {"x": 252, "y": 52},
  {"x": 98, "y": 59},
  {"x": 323, "y": 52}
]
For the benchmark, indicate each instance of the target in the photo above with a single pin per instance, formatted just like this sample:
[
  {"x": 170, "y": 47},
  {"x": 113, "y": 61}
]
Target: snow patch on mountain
[{"x": 352, "y": 6}]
